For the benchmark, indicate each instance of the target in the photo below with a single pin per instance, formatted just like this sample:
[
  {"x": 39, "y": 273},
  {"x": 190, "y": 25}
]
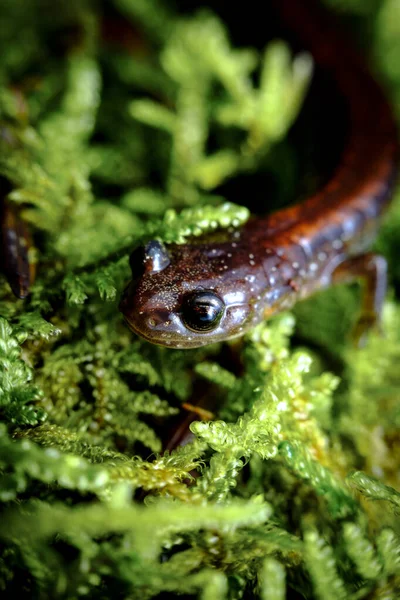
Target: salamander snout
[{"x": 196, "y": 316}]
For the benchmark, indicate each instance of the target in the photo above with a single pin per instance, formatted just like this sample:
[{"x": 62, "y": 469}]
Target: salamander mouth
[
  {"x": 186, "y": 340},
  {"x": 170, "y": 341}
]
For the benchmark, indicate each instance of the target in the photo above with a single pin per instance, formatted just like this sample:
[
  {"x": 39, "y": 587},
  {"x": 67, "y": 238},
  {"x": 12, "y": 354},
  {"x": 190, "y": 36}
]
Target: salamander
[{"x": 186, "y": 296}]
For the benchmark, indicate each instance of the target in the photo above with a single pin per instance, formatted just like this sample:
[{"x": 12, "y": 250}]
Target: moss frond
[
  {"x": 320, "y": 562},
  {"x": 17, "y": 395},
  {"x": 272, "y": 580}
]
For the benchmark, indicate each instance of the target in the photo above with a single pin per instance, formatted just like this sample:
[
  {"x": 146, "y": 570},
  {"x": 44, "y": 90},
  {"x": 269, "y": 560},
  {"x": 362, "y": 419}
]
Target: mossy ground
[{"x": 120, "y": 121}]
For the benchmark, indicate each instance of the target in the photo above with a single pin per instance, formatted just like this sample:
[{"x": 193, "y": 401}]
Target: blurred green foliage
[{"x": 121, "y": 121}]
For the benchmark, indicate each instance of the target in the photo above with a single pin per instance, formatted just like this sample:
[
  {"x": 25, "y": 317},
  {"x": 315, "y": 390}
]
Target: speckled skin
[{"x": 271, "y": 262}]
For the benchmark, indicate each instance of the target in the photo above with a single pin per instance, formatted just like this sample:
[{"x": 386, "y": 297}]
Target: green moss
[{"x": 123, "y": 121}]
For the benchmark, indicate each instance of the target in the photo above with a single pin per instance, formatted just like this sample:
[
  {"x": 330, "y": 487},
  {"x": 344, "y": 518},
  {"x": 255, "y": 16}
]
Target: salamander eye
[
  {"x": 202, "y": 311},
  {"x": 151, "y": 258}
]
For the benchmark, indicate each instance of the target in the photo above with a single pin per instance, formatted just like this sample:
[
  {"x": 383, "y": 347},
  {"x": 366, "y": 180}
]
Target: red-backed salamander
[{"x": 186, "y": 296}]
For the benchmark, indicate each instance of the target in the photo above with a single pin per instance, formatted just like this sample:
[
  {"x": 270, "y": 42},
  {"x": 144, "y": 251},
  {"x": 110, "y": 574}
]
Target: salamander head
[{"x": 186, "y": 296}]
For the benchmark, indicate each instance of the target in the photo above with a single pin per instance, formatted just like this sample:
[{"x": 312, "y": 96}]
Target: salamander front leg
[{"x": 372, "y": 270}]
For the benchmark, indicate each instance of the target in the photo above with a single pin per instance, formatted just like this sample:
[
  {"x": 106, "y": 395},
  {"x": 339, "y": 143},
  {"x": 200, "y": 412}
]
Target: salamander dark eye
[
  {"x": 151, "y": 258},
  {"x": 202, "y": 311}
]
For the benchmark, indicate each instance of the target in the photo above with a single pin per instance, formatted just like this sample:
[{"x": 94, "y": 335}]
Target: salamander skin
[{"x": 195, "y": 294}]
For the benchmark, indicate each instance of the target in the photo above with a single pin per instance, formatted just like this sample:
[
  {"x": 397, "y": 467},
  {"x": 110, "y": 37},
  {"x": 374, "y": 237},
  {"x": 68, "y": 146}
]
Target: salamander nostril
[{"x": 159, "y": 319}]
